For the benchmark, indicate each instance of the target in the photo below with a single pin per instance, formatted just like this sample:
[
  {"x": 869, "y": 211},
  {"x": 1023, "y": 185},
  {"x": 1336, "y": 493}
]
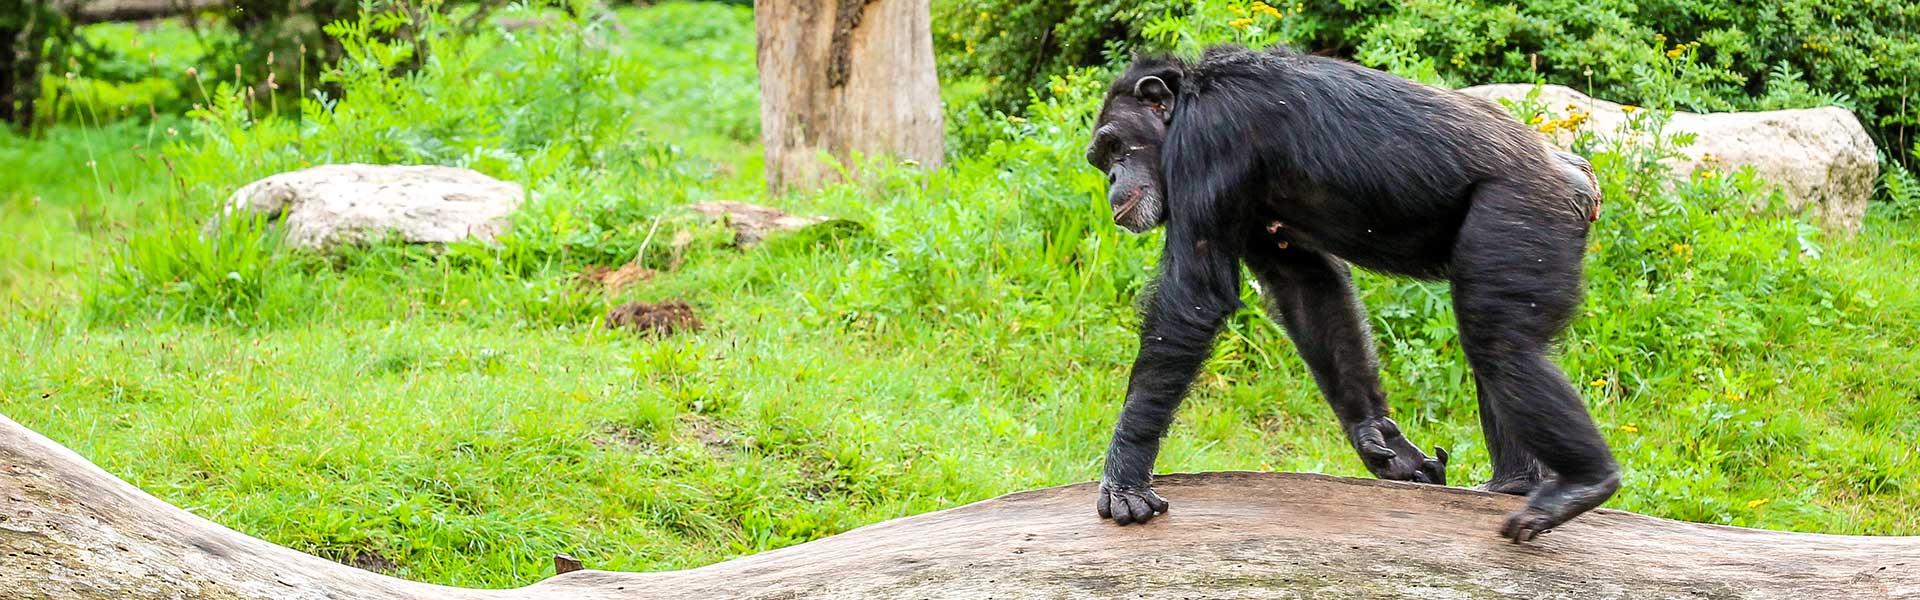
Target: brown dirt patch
[
  {"x": 365, "y": 560},
  {"x": 664, "y": 318},
  {"x": 752, "y": 223},
  {"x": 616, "y": 280},
  {"x": 622, "y": 435},
  {"x": 716, "y": 436}
]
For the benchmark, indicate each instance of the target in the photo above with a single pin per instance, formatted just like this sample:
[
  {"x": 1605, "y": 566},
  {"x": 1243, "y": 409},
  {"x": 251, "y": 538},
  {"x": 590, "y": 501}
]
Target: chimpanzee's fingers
[
  {"x": 1374, "y": 446},
  {"x": 1138, "y": 506},
  {"x": 1121, "y": 514},
  {"x": 1104, "y": 504},
  {"x": 1155, "y": 502},
  {"x": 1377, "y": 450}
]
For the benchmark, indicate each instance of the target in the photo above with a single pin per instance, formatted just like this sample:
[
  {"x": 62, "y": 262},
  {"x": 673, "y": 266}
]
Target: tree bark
[
  {"x": 70, "y": 531},
  {"x": 845, "y": 77}
]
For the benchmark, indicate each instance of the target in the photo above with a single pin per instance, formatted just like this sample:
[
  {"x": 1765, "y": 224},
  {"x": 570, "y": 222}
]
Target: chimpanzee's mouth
[{"x": 1126, "y": 210}]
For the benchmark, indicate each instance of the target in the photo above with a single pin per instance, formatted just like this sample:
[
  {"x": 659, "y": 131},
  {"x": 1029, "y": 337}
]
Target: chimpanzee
[{"x": 1297, "y": 165}]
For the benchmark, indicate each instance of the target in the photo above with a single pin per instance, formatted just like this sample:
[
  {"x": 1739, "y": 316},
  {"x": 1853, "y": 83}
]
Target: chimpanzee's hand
[
  {"x": 1389, "y": 455},
  {"x": 1129, "y": 503}
]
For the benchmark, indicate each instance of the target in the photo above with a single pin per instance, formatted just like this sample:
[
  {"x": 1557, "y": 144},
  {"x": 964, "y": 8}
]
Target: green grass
[{"x": 462, "y": 414}]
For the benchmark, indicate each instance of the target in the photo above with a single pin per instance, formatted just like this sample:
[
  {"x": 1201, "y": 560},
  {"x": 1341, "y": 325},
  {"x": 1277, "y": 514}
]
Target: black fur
[{"x": 1298, "y": 165}]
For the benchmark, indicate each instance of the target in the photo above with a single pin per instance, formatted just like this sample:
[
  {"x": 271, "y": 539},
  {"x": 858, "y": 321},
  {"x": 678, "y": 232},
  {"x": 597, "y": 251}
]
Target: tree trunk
[
  {"x": 70, "y": 531},
  {"x": 845, "y": 77}
]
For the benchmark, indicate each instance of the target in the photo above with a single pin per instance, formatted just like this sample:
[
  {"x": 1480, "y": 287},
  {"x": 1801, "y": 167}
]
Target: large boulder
[
  {"x": 1821, "y": 158},
  {"x": 330, "y": 205}
]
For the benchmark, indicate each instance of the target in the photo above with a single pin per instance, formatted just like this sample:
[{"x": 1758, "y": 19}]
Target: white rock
[
  {"x": 1821, "y": 158},
  {"x": 329, "y": 205}
]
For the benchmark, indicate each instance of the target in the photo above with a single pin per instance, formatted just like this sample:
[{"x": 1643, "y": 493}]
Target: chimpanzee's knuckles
[
  {"x": 1525, "y": 525},
  {"x": 1155, "y": 502},
  {"x": 1138, "y": 506},
  {"x": 1126, "y": 506}
]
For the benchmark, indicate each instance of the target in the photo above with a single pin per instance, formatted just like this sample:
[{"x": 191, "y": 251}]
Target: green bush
[
  {"x": 1745, "y": 54},
  {"x": 1021, "y": 44},
  {"x": 460, "y": 411},
  {"x": 557, "y": 118}
]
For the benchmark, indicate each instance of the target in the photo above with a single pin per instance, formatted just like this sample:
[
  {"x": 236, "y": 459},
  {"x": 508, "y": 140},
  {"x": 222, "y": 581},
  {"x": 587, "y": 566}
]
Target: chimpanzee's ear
[{"x": 1157, "y": 92}]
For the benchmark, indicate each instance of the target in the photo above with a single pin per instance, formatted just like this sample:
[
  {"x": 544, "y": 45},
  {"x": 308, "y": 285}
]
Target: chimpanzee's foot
[
  {"x": 1516, "y": 486},
  {"x": 1128, "y": 503},
  {"x": 1555, "y": 502}
]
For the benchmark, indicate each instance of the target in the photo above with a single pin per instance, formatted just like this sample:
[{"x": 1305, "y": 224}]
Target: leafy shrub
[
  {"x": 1901, "y": 190},
  {"x": 1746, "y": 55},
  {"x": 1021, "y": 45},
  {"x": 556, "y": 118},
  {"x": 35, "y": 36}
]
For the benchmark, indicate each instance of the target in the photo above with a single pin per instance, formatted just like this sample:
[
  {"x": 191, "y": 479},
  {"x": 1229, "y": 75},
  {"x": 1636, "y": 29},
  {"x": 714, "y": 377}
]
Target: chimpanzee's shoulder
[{"x": 1234, "y": 60}]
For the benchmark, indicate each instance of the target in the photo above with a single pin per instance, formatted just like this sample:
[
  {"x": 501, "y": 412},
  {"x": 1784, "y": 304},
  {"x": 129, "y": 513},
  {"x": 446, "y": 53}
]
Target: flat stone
[
  {"x": 1822, "y": 158},
  {"x": 332, "y": 205}
]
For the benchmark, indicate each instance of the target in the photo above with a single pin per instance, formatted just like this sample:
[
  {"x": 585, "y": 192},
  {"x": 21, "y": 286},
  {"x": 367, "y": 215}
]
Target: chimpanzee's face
[{"x": 1126, "y": 146}]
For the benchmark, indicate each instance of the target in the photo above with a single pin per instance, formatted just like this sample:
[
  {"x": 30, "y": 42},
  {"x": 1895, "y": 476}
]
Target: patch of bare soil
[
  {"x": 664, "y": 318},
  {"x": 365, "y": 560},
  {"x": 752, "y": 223},
  {"x": 622, "y": 435},
  {"x": 718, "y": 439},
  {"x": 616, "y": 280}
]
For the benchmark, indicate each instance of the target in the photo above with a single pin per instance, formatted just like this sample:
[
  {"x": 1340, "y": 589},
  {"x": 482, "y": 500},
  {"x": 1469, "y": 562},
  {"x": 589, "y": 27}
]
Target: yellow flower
[
  {"x": 1629, "y": 109},
  {"x": 1683, "y": 249},
  {"x": 1598, "y": 383},
  {"x": 1630, "y": 428},
  {"x": 1758, "y": 503},
  {"x": 1676, "y": 51},
  {"x": 1262, "y": 7},
  {"x": 1241, "y": 23}
]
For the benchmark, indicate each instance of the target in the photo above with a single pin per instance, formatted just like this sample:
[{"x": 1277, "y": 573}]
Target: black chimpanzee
[{"x": 1297, "y": 165}]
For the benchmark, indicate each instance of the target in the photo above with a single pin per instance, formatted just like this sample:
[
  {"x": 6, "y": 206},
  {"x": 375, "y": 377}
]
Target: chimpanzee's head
[{"x": 1127, "y": 139}]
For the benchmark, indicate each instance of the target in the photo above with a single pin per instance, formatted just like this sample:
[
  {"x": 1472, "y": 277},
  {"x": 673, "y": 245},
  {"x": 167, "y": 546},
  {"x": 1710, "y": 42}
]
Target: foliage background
[
  {"x": 1746, "y": 55},
  {"x": 459, "y": 414}
]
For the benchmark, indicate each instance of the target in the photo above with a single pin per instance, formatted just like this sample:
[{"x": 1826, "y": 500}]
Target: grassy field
[{"x": 460, "y": 415}]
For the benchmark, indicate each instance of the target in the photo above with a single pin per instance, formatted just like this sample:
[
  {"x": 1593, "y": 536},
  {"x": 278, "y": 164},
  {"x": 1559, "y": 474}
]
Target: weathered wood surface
[
  {"x": 71, "y": 531},
  {"x": 103, "y": 11}
]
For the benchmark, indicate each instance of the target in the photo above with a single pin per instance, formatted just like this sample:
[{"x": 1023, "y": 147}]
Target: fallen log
[
  {"x": 70, "y": 531},
  {"x": 115, "y": 11}
]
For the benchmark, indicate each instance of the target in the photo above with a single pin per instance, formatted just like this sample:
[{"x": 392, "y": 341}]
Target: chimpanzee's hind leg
[
  {"x": 1515, "y": 471},
  {"x": 1516, "y": 284},
  {"x": 1311, "y": 294}
]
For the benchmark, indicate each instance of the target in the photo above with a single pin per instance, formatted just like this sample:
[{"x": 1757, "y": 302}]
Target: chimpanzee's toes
[
  {"x": 1556, "y": 501},
  {"x": 1129, "y": 504},
  {"x": 1527, "y": 524}
]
